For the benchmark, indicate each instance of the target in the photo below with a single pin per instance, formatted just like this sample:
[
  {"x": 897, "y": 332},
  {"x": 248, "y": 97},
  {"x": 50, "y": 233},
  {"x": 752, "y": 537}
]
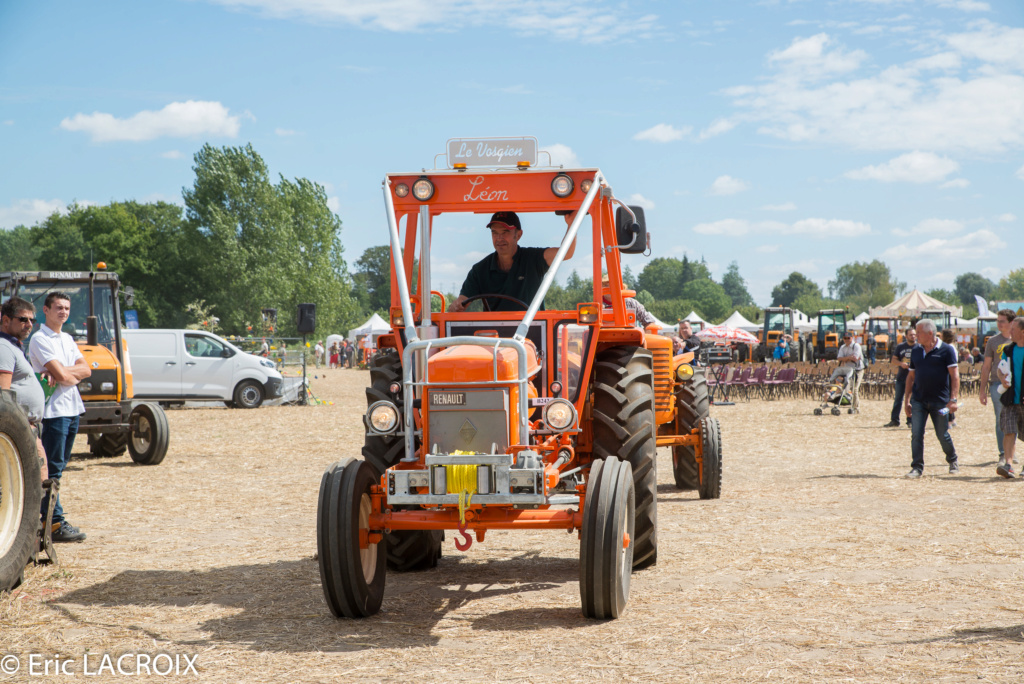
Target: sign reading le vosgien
[{"x": 491, "y": 152}]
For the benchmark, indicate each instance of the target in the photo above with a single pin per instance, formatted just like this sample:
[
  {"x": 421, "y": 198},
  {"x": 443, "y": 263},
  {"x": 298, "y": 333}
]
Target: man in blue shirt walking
[{"x": 933, "y": 385}]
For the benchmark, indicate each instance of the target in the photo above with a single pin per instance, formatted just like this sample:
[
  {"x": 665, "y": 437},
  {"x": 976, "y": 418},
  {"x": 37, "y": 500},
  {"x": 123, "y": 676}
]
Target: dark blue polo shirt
[
  {"x": 931, "y": 372},
  {"x": 521, "y": 281}
]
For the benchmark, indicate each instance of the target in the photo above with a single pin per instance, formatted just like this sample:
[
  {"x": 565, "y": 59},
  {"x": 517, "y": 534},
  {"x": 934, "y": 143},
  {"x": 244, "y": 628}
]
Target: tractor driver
[{"x": 510, "y": 270}]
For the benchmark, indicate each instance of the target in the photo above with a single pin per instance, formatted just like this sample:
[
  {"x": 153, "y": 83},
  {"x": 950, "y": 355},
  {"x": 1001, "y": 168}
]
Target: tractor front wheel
[
  {"x": 352, "y": 577},
  {"x": 606, "y": 539},
  {"x": 148, "y": 440},
  {"x": 711, "y": 472},
  {"x": 20, "y": 492},
  {"x": 692, "y": 407},
  {"x": 623, "y": 415}
]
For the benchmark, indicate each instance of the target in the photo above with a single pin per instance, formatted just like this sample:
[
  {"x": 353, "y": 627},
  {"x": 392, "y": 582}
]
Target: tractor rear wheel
[
  {"x": 711, "y": 443},
  {"x": 606, "y": 539},
  {"x": 108, "y": 444},
  {"x": 406, "y": 549},
  {"x": 147, "y": 442},
  {"x": 20, "y": 492},
  {"x": 692, "y": 406},
  {"x": 352, "y": 577},
  {"x": 623, "y": 415}
]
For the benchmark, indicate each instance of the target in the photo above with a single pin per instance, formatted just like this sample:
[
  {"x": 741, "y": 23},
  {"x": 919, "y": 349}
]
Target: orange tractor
[{"x": 513, "y": 420}]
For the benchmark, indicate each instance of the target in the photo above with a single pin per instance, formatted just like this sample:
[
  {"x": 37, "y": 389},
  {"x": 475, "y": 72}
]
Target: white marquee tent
[
  {"x": 737, "y": 320},
  {"x": 374, "y": 326}
]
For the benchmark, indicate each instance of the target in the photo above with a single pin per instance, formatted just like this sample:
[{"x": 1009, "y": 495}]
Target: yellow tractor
[
  {"x": 826, "y": 340},
  {"x": 112, "y": 420},
  {"x": 778, "y": 321},
  {"x": 885, "y": 330}
]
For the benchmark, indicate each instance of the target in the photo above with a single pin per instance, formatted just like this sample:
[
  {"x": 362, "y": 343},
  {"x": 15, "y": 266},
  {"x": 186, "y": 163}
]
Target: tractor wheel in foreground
[
  {"x": 406, "y": 549},
  {"x": 108, "y": 445},
  {"x": 606, "y": 539},
  {"x": 623, "y": 426},
  {"x": 20, "y": 492},
  {"x": 352, "y": 577},
  {"x": 692, "y": 406},
  {"x": 248, "y": 395},
  {"x": 711, "y": 475},
  {"x": 148, "y": 440}
]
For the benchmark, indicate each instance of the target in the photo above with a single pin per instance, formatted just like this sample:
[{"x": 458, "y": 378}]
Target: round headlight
[
  {"x": 559, "y": 415},
  {"x": 402, "y": 190},
  {"x": 684, "y": 371},
  {"x": 585, "y": 184},
  {"x": 562, "y": 185},
  {"x": 423, "y": 189},
  {"x": 383, "y": 417}
]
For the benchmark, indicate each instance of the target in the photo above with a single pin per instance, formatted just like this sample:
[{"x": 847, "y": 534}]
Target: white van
[{"x": 192, "y": 365}]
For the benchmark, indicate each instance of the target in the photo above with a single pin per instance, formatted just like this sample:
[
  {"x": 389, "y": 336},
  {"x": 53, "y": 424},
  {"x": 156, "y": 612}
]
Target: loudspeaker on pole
[{"x": 306, "y": 319}]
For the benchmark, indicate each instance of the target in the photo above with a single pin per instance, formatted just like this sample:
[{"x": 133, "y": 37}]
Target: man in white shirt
[
  {"x": 851, "y": 356},
  {"x": 318, "y": 353},
  {"x": 55, "y": 354}
]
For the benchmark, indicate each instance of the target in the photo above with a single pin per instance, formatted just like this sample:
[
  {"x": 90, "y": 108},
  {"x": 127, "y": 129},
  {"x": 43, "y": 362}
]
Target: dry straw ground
[{"x": 819, "y": 563}]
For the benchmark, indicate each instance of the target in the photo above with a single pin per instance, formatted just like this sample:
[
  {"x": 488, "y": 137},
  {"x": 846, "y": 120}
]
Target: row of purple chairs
[{"x": 765, "y": 382}]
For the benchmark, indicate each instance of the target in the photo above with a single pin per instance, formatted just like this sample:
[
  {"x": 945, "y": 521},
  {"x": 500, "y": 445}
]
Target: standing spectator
[
  {"x": 16, "y": 317},
  {"x": 318, "y": 353},
  {"x": 851, "y": 356},
  {"x": 55, "y": 354},
  {"x": 333, "y": 358},
  {"x": 872, "y": 347},
  {"x": 989, "y": 379},
  {"x": 264, "y": 348},
  {"x": 949, "y": 338},
  {"x": 781, "y": 350},
  {"x": 1012, "y": 417},
  {"x": 901, "y": 357},
  {"x": 933, "y": 385}
]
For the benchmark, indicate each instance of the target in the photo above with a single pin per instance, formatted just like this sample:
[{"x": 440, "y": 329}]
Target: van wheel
[
  {"x": 149, "y": 437},
  {"x": 248, "y": 394},
  {"x": 20, "y": 492}
]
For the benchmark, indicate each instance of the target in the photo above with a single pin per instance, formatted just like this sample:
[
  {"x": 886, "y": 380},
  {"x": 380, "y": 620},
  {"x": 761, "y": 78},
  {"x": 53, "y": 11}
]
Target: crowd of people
[{"x": 342, "y": 354}]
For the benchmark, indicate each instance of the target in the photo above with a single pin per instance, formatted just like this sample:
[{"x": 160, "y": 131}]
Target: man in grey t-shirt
[
  {"x": 16, "y": 318},
  {"x": 989, "y": 381}
]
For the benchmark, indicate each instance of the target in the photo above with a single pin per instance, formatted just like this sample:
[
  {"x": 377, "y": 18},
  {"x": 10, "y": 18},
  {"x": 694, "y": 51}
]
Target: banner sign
[
  {"x": 131, "y": 319},
  {"x": 491, "y": 152}
]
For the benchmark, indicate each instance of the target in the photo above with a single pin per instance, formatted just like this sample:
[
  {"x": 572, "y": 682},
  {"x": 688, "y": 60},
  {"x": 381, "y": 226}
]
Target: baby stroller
[{"x": 837, "y": 393}]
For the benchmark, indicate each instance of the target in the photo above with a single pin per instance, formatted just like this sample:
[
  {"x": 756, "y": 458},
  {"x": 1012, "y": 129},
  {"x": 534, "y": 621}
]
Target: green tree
[
  {"x": 1011, "y": 286},
  {"x": 736, "y": 287},
  {"x": 811, "y": 303},
  {"x": 576, "y": 291},
  {"x": 662, "y": 278},
  {"x": 628, "y": 279},
  {"x": 711, "y": 299},
  {"x": 645, "y": 298},
  {"x": 966, "y": 285},
  {"x": 253, "y": 244},
  {"x": 864, "y": 285},
  {"x": 692, "y": 270},
  {"x": 944, "y": 296},
  {"x": 795, "y": 286},
  {"x": 17, "y": 251}
]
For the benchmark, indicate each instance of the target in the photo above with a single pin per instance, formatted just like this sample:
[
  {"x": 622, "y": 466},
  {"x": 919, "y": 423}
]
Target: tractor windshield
[
  {"x": 941, "y": 318},
  {"x": 831, "y": 323},
  {"x": 987, "y": 327},
  {"x": 79, "y": 295},
  {"x": 778, "y": 320},
  {"x": 879, "y": 327}
]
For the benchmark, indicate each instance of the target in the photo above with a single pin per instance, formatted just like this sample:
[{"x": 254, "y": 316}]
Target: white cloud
[
  {"x": 965, "y": 5},
  {"x": 283, "y": 132},
  {"x": 956, "y": 183},
  {"x": 811, "y": 227},
  {"x": 9, "y": 122},
  {"x": 1006, "y": 218},
  {"x": 177, "y": 120},
  {"x": 562, "y": 155},
  {"x": 172, "y": 154},
  {"x": 28, "y": 212},
  {"x": 976, "y": 246},
  {"x": 663, "y": 133},
  {"x": 933, "y": 227},
  {"x": 727, "y": 185},
  {"x": 334, "y": 204},
  {"x": 595, "y": 22},
  {"x": 640, "y": 200},
  {"x": 913, "y": 167},
  {"x": 1020, "y": 173},
  {"x": 767, "y": 249},
  {"x": 787, "y": 206},
  {"x": 927, "y": 103},
  {"x": 717, "y": 127}
]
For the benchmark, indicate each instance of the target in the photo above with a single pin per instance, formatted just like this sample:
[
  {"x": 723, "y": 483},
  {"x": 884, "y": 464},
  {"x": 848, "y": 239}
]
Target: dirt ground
[{"x": 819, "y": 563}]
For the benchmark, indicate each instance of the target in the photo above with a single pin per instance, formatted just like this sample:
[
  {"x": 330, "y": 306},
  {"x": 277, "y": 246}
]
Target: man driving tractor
[{"x": 512, "y": 271}]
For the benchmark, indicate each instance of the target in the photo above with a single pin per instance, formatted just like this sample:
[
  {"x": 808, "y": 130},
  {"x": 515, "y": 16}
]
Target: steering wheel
[{"x": 487, "y": 306}]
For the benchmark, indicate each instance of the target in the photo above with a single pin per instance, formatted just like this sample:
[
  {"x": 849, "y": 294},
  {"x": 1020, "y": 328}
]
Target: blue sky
[{"x": 785, "y": 135}]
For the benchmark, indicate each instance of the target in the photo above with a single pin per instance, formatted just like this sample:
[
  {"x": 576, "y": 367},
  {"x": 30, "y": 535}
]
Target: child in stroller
[{"x": 837, "y": 393}]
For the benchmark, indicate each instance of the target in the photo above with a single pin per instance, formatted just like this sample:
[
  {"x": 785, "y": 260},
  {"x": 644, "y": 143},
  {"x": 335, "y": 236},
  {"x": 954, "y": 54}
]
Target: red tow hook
[{"x": 459, "y": 543}]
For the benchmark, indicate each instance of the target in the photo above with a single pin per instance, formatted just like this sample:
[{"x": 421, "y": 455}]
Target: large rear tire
[
  {"x": 711, "y": 476},
  {"x": 20, "y": 492},
  {"x": 148, "y": 440},
  {"x": 606, "y": 539},
  {"x": 623, "y": 416},
  {"x": 692, "y": 406},
  {"x": 352, "y": 578},
  {"x": 108, "y": 445},
  {"x": 406, "y": 549}
]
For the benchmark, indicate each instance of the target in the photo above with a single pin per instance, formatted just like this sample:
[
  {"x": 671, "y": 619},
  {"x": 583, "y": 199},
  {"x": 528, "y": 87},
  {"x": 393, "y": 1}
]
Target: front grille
[
  {"x": 463, "y": 419},
  {"x": 662, "y": 378}
]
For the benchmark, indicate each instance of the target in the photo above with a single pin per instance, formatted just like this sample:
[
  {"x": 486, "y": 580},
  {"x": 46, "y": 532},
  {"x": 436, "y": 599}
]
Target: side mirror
[
  {"x": 129, "y": 296},
  {"x": 628, "y": 232},
  {"x": 227, "y": 353}
]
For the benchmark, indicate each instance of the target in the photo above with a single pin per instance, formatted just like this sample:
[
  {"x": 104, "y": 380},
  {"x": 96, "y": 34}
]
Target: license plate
[{"x": 448, "y": 399}]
